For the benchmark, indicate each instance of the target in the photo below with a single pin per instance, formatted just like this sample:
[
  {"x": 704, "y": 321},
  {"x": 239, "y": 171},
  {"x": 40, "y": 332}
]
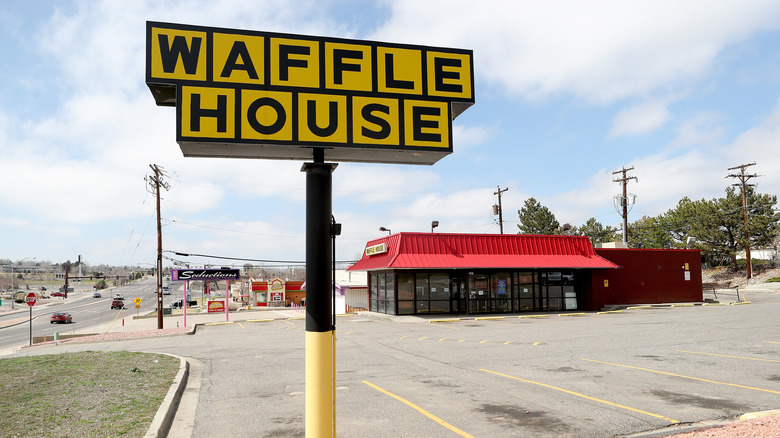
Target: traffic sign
[
  {"x": 30, "y": 298},
  {"x": 137, "y": 301}
]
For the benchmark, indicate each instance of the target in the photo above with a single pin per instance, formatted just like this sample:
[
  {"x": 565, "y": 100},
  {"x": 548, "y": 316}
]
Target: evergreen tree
[
  {"x": 596, "y": 232},
  {"x": 536, "y": 219}
]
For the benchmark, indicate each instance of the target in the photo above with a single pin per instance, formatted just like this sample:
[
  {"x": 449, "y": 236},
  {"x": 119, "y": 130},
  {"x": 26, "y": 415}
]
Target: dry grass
[{"x": 86, "y": 394}]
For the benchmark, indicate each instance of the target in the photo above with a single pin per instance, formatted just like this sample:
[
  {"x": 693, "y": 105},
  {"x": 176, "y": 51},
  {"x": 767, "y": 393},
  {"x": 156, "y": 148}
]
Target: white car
[{"x": 119, "y": 296}]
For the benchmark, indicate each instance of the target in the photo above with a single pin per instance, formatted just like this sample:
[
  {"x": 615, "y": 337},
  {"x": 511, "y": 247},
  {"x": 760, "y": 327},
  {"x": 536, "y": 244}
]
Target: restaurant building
[{"x": 439, "y": 273}]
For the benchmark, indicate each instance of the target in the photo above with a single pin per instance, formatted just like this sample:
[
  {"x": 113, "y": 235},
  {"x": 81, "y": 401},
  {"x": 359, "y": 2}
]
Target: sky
[{"x": 566, "y": 93}]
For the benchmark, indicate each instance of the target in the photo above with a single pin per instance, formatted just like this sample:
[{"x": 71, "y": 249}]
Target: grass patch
[
  {"x": 85, "y": 394},
  {"x": 773, "y": 280}
]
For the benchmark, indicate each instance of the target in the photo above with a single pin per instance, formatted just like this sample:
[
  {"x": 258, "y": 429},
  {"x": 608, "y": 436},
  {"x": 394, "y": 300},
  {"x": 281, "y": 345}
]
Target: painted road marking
[
  {"x": 420, "y": 410},
  {"x": 424, "y": 337},
  {"x": 507, "y": 342},
  {"x": 772, "y": 342},
  {"x": 404, "y": 337},
  {"x": 732, "y": 357},
  {"x": 609, "y": 311},
  {"x": 260, "y": 320},
  {"x": 584, "y": 396},
  {"x": 219, "y": 323},
  {"x": 532, "y": 316},
  {"x": 442, "y": 339},
  {"x": 537, "y": 343},
  {"x": 482, "y": 342},
  {"x": 684, "y": 377},
  {"x": 485, "y": 318},
  {"x": 242, "y": 326}
]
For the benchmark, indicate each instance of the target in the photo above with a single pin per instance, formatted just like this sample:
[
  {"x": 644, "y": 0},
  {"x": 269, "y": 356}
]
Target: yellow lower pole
[{"x": 320, "y": 400}]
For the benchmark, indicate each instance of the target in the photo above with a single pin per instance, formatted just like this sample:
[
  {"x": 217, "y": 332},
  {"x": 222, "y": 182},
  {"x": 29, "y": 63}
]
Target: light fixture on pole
[
  {"x": 385, "y": 229},
  {"x": 434, "y": 224}
]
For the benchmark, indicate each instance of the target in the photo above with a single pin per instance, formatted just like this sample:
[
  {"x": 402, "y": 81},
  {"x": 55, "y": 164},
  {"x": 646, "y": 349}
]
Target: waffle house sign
[{"x": 247, "y": 94}]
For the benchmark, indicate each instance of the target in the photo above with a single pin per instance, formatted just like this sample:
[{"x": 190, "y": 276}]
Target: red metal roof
[{"x": 464, "y": 251}]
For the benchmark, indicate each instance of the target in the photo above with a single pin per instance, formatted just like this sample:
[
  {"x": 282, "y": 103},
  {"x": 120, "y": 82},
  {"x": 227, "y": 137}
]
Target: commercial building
[{"x": 427, "y": 273}]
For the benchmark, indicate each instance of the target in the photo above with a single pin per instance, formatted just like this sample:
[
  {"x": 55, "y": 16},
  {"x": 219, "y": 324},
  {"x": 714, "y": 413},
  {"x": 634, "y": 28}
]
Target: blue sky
[{"x": 566, "y": 93}]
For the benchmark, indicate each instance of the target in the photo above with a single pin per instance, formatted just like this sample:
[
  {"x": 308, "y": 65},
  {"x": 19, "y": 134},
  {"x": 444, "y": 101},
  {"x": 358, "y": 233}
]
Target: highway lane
[{"x": 87, "y": 312}]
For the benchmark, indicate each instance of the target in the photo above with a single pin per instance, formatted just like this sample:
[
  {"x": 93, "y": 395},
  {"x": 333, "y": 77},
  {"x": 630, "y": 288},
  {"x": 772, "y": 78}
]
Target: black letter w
[{"x": 170, "y": 53}]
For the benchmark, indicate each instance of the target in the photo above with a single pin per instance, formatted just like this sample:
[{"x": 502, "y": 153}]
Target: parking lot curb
[
  {"x": 759, "y": 414},
  {"x": 161, "y": 424}
]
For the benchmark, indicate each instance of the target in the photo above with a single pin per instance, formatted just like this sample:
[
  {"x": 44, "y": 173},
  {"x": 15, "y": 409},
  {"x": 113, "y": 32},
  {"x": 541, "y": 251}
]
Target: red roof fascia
[{"x": 442, "y": 251}]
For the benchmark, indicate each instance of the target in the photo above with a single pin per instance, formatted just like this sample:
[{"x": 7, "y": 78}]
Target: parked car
[
  {"x": 97, "y": 295},
  {"x": 177, "y": 304},
  {"x": 117, "y": 304},
  {"x": 58, "y": 294},
  {"x": 61, "y": 317}
]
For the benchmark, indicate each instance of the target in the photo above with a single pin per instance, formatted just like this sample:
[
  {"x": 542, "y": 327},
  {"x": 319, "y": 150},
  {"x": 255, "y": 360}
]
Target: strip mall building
[{"x": 425, "y": 273}]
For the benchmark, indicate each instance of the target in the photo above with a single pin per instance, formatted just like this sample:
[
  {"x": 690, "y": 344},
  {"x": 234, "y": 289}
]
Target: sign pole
[
  {"x": 320, "y": 335},
  {"x": 227, "y": 288},
  {"x": 30, "y": 299},
  {"x": 184, "y": 303}
]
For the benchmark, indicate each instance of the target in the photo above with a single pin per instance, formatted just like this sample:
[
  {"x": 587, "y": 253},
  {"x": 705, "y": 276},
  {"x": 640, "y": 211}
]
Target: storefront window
[
  {"x": 479, "y": 293},
  {"x": 405, "y": 286},
  {"x": 524, "y": 291},
  {"x": 422, "y": 286},
  {"x": 440, "y": 286}
]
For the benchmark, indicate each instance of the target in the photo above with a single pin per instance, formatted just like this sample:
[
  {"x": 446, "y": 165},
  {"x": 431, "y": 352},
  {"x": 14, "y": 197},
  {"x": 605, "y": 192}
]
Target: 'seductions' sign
[{"x": 248, "y": 94}]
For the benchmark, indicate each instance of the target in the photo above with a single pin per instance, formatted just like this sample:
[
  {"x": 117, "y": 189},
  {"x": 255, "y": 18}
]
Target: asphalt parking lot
[{"x": 587, "y": 375}]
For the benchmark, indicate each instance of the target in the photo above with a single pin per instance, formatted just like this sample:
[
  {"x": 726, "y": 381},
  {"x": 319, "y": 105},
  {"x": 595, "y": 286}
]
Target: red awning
[{"x": 467, "y": 251}]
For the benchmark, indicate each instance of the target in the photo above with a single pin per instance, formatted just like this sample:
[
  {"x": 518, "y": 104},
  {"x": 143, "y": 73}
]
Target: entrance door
[{"x": 458, "y": 295}]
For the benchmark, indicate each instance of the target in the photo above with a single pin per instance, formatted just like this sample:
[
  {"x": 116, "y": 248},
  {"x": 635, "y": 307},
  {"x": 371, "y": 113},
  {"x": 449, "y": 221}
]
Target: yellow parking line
[
  {"x": 420, "y": 410},
  {"x": 732, "y": 357},
  {"x": 442, "y": 339},
  {"x": 482, "y": 318},
  {"x": 260, "y": 320},
  {"x": 462, "y": 340},
  {"x": 482, "y": 342},
  {"x": 772, "y": 342},
  {"x": 404, "y": 337},
  {"x": 684, "y": 377},
  {"x": 424, "y": 337},
  {"x": 639, "y": 307},
  {"x": 537, "y": 343},
  {"x": 609, "y": 311},
  {"x": 444, "y": 320},
  {"x": 242, "y": 326},
  {"x": 571, "y": 314},
  {"x": 584, "y": 396},
  {"x": 507, "y": 342},
  {"x": 532, "y": 316},
  {"x": 219, "y": 323}
]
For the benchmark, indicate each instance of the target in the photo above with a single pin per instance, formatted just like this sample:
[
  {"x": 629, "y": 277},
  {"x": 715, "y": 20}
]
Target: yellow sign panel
[
  {"x": 137, "y": 300},
  {"x": 376, "y": 249},
  {"x": 267, "y": 95}
]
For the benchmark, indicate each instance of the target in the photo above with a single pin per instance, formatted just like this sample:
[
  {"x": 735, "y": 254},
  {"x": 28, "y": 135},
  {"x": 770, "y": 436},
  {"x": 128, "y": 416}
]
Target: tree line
[{"x": 715, "y": 226}]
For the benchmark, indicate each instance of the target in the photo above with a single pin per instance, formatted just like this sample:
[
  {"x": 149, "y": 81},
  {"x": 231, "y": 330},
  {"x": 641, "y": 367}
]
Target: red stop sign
[{"x": 30, "y": 298}]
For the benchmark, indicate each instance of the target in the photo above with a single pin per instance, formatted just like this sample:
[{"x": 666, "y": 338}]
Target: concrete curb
[
  {"x": 759, "y": 414},
  {"x": 161, "y": 424}
]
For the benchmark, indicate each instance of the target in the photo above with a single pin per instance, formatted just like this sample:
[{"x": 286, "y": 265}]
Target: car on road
[
  {"x": 61, "y": 317},
  {"x": 118, "y": 296},
  {"x": 57, "y": 294},
  {"x": 97, "y": 295},
  {"x": 117, "y": 304},
  {"x": 177, "y": 304},
  {"x": 166, "y": 290}
]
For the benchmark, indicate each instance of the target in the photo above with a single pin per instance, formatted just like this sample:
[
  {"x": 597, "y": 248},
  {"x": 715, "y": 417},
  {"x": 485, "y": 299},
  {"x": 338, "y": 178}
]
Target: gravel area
[
  {"x": 123, "y": 335},
  {"x": 764, "y": 427}
]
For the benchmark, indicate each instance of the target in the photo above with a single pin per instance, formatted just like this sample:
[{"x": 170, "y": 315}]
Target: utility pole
[
  {"x": 743, "y": 179},
  {"x": 624, "y": 199},
  {"x": 155, "y": 182},
  {"x": 500, "y": 210}
]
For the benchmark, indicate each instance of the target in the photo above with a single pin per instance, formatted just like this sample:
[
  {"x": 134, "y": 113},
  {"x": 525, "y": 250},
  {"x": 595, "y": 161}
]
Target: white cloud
[
  {"x": 639, "y": 119},
  {"x": 600, "y": 51}
]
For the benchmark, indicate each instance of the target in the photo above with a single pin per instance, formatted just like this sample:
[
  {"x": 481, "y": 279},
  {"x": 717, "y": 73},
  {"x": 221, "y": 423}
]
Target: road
[{"x": 87, "y": 312}]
